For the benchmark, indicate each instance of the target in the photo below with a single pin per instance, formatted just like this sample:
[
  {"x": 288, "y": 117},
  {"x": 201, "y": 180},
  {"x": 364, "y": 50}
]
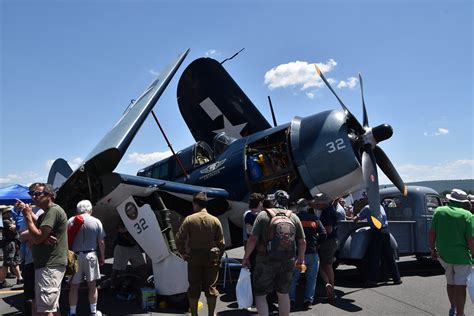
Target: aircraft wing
[
  {"x": 211, "y": 102},
  {"x": 85, "y": 181}
]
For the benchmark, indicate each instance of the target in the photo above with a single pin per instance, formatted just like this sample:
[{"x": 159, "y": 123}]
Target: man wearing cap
[
  {"x": 315, "y": 233},
  {"x": 272, "y": 274},
  {"x": 452, "y": 243},
  {"x": 200, "y": 240},
  {"x": 89, "y": 246}
]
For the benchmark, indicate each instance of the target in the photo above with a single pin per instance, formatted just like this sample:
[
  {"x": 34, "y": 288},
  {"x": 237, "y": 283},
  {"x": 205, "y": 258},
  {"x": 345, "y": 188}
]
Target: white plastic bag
[
  {"x": 470, "y": 284},
  {"x": 243, "y": 289}
]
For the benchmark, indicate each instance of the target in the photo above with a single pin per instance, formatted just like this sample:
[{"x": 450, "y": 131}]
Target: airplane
[{"x": 325, "y": 155}]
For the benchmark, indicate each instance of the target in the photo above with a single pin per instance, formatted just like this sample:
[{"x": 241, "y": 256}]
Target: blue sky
[{"x": 69, "y": 69}]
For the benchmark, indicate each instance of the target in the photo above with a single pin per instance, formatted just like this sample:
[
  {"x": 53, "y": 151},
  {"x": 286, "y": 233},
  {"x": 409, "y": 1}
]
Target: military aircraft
[{"x": 325, "y": 155}]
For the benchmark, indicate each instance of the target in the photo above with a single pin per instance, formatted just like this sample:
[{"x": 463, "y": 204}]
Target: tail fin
[{"x": 59, "y": 172}]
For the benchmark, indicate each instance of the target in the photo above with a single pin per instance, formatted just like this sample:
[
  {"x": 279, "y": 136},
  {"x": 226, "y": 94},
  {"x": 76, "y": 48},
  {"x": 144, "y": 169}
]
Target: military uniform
[{"x": 201, "y": 237}]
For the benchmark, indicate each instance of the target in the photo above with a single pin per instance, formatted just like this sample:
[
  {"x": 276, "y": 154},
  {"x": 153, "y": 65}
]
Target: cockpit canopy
[{"x": 221, "y": 142}]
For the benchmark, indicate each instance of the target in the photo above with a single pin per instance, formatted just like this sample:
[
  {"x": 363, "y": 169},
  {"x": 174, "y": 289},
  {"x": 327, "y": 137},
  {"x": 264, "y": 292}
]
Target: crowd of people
[{"x": 283, "y": 243}]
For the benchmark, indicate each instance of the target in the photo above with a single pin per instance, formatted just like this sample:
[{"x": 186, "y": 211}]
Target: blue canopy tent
[{"x": 10, "y": 193}]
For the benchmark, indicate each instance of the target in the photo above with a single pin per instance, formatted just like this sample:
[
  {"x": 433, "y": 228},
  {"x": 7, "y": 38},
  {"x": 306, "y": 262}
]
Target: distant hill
[{"x": 444, "y": 185}]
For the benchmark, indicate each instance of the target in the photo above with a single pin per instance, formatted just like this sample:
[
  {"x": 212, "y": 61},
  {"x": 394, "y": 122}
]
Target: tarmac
[{"x": 423, "y": 292}]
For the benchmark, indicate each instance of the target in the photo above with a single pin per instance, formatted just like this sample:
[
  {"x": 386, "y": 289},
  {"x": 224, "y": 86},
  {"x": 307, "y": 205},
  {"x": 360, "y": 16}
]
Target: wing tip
[{"x": 317, "y": 69}]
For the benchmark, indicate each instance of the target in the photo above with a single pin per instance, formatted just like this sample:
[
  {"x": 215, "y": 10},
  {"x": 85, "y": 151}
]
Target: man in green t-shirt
[
  {"x": 270, "y": 272},
  {"x": 49, "y": 247},
  {"x": 452, "y": 243}
]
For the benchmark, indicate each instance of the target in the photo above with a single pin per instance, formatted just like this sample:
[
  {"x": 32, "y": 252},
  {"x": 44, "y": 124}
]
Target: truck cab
[{"x": 409, "y": 221}]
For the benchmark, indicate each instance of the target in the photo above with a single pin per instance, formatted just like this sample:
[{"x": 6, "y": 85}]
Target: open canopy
[{"x": 10, "y": 193}]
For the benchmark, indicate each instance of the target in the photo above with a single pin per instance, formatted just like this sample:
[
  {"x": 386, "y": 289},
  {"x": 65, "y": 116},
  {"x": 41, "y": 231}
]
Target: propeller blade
[
  {"x": 366, "y": 117},
  {"x": 353, "y": 122},
  {"x": 387, "y": 167},
  {"x": 369, "y": 172}
]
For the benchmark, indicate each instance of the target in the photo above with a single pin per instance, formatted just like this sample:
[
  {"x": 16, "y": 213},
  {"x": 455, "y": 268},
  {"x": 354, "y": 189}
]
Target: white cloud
[
  {"x": 25, "y": 178},
  {"x": 442, "y": 131},
  {"x": 452, "y": 170},
  {"x": 439, "y": 132},
  {"x": 212, "y": 52},
  {"x": 310, "y": 95},
  {"x": 153, "y": 72},
  {"x": 146, "y": 159},
  {"x": 297, "y": 73},
  {"x": 350, "y": 83}
]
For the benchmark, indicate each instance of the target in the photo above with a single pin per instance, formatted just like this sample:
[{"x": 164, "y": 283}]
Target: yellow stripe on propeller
[{"x": 376, "y": 222}]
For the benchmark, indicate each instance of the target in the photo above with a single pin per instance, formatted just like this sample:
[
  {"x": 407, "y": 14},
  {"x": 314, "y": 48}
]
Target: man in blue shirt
[{"x": 379, "y": 248}]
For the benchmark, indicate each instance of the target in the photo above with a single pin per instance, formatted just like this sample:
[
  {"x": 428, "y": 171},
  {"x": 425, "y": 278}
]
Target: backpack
[
  {"x": 281, "y": 241},
  {"x": 72, "y": 263}
]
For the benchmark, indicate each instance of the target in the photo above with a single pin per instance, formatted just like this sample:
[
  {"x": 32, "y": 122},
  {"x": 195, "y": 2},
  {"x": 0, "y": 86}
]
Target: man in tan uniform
[{"x": 200, "y": 241}]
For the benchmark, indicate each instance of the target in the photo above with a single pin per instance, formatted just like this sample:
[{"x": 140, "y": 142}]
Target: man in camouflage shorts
[{"x": 272, "y": 274}]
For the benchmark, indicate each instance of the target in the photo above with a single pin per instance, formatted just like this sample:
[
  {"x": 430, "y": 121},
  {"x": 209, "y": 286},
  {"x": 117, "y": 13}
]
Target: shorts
[
  {"x": 88, "y": 267},
  {"x": 124, "y": 254},
  {"x": 272, "y": 275},
  {"x": 456, "y": 274},
  {"x": 11, "y": 253},
  {"x": 48, "y": 288},
  {"x": 327, "y": 249}
]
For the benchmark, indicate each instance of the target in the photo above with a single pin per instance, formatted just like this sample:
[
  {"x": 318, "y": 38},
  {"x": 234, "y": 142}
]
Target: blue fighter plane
[{"x": 326, "y": 155}]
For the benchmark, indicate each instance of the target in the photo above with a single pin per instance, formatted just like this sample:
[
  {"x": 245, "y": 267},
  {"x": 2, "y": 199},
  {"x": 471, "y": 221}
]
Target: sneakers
[
  {"x": 330, "y": 292},
  {"x": 19, "y": 281},
  {"x": 307, "y": 305},
  {"x": 397, "y": 282},
  {"x": 97, "y": 313},
  {"x": 5, "y": 285}
]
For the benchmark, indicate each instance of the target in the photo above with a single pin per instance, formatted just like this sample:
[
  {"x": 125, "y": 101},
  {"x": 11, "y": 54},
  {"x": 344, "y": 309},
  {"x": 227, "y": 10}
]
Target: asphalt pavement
[{"x": 423, "y": 292}]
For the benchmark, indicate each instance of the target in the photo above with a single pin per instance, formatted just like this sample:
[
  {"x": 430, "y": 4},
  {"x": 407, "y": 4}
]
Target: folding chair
[{"x": 227, "y": 264}]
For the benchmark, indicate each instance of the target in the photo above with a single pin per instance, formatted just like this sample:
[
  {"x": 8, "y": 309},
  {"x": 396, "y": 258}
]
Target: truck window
[
  {"x": 432, "y": 202},
  {"x": 397, "y": 208}
]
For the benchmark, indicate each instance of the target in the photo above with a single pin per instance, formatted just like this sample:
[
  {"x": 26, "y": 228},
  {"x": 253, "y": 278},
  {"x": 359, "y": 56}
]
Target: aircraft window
[
  {"x": 221, "y": 142},
  {"x": 202, "y": 154},
  {"x": 155, "y": 173},
  {"x": 160, "y": 171},
  {"x": 164, "y": 170},
  {"x": 432, "y": 202}
]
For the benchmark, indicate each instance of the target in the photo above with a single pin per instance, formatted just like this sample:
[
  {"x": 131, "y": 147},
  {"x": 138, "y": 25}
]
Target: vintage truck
[{"x": 409, "y": 223}]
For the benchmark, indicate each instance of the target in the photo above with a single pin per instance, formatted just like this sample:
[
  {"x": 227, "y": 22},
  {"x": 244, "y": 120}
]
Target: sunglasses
[{"x": 36, "y": 194}]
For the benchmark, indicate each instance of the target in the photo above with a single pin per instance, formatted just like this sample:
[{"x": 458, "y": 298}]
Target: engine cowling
[{"x": 324, "y": 154}]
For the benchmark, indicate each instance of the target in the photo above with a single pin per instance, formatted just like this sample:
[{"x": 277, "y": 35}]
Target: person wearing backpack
[{"x": 279, "y": 240}]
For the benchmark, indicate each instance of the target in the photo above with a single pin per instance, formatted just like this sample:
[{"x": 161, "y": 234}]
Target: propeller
[{"x": 367, "y": 139}]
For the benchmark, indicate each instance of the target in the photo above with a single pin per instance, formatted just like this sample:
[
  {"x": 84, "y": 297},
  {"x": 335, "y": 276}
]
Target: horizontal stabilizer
[{"x": 59, "y": 172}]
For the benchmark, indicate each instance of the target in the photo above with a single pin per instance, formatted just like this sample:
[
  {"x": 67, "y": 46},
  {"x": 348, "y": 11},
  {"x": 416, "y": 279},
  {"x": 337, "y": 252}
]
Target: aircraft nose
[{"x": 382, "y": 132}]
